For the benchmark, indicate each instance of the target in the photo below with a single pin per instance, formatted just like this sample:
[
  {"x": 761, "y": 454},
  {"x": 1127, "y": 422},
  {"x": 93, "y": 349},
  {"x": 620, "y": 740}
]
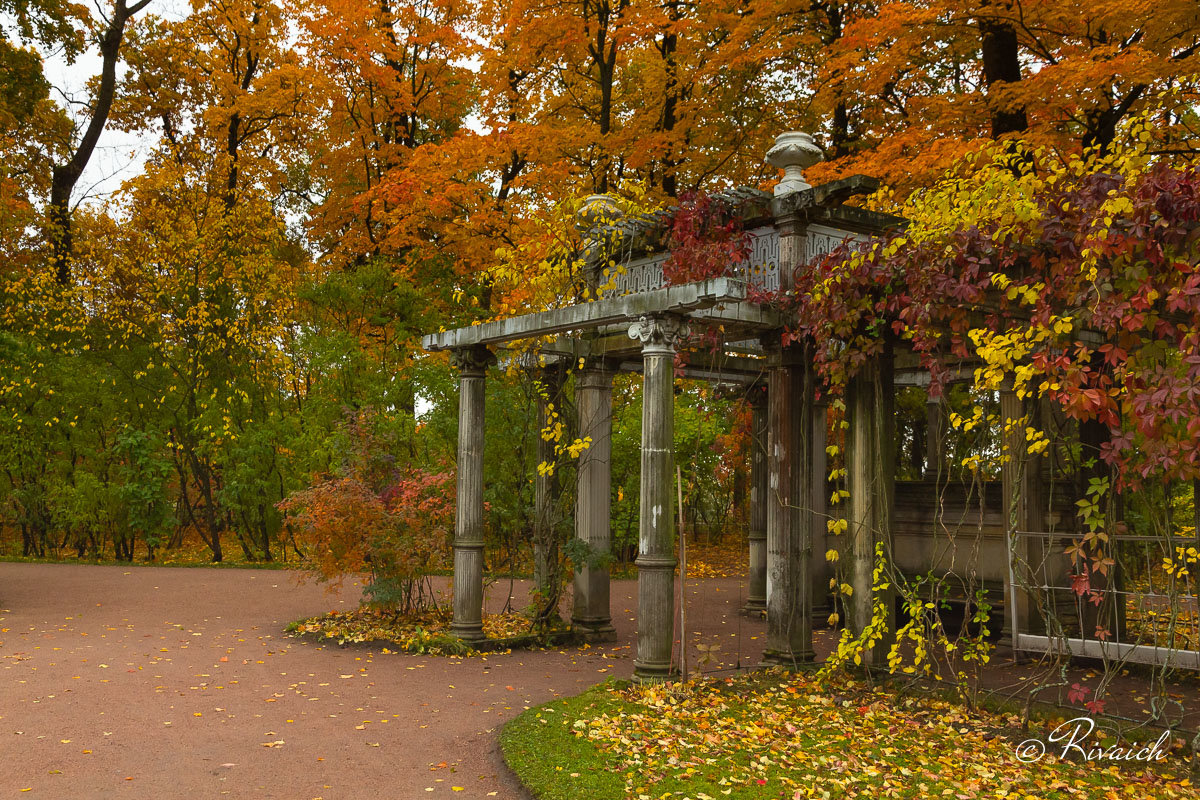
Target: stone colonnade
[
  {"x": 788, "y": 516},
  {"x": 788, "y": 575},
  {"x": 788, "y": 572},
  {"x": 591, "y": 614}
]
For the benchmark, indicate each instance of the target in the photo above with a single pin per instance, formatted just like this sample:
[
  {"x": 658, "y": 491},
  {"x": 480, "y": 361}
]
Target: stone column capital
[
  {"x": 472, "y": 361},
  {"x": 659, "y": 332},
  {"x": 595, "y": 375}
]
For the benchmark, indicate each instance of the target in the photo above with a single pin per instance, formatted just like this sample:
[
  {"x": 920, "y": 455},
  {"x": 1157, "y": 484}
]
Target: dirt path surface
[{"x": 143, "y": 682}]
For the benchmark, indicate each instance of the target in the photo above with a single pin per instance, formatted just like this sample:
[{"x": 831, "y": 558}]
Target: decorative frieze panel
[
  {"x": 761, "y": 269},
  {"x": 823, "y": 239}
]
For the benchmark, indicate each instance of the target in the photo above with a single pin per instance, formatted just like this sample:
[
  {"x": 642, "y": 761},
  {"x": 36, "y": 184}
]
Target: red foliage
[
  {"x": 706, "y": 240},
  {"x": 396, "y": 536},
  {"x": 393, "y": 523},
  {"x": 1131, "y": 358}
]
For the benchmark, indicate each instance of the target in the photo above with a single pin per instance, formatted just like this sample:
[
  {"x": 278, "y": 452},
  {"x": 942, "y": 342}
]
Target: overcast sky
[{"x": 119, "y": 156}]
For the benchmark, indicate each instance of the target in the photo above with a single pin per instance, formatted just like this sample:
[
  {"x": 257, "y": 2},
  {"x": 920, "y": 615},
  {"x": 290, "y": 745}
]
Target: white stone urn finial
[
  {"x": 597, "y": 208},
  {"x": 793, "y": 152}
]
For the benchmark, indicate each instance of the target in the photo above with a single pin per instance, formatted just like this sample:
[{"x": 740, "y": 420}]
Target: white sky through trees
[{"x": 119, "y": 155}]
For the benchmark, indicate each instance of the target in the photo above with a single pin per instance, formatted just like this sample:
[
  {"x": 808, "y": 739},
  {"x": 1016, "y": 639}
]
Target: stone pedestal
[
  {"x": 593, "y": 396},
  {"x": 656, "y": 526},
  {"x": 468, "y": 527},
  {"x": 756, "y": 600}
]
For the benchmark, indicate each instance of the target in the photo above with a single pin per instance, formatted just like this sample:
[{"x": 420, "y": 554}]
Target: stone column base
[
  {"x": 593, "y": 631},
  {"x": 654, "y": 673},
  {"x": 754, "y": 608},
  {"x": 468, "y": 632},
  {"x": 772, "y": 658}
]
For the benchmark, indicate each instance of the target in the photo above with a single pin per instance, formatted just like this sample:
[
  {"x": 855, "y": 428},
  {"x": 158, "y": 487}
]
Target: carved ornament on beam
[
  {"x": 472, "y": 360},
  {"x": 664, "y": 331}
]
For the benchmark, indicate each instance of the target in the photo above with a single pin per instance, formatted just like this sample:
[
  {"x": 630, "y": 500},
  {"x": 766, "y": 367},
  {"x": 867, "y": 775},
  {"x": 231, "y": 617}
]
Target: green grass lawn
[{"x": 772, "y": 735}]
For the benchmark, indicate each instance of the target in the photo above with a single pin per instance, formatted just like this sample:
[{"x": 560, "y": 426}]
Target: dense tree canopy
[{"x": 327, "y": 180}]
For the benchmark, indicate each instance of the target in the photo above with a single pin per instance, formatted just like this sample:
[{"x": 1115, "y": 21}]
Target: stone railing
[{"x": 761, "y": 269}]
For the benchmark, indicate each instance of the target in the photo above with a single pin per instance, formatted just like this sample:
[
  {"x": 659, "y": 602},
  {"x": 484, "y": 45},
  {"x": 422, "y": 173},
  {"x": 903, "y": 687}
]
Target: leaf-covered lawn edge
[
  {"x": 766, "y": 735},
  {"x": 542, "y": 751}
]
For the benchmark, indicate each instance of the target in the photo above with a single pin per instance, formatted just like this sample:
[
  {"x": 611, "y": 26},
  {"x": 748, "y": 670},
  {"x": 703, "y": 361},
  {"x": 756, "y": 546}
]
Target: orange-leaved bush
[{"x": 395, "y": 536}]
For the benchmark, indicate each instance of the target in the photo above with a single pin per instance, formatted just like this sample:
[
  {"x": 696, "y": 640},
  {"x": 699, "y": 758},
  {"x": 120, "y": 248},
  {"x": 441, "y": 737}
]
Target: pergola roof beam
[{"x": 689, "y": 297}]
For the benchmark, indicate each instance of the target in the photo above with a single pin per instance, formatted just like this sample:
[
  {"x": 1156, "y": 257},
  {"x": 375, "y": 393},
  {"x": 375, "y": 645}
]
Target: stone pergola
[{"x": 638, "y": 325}]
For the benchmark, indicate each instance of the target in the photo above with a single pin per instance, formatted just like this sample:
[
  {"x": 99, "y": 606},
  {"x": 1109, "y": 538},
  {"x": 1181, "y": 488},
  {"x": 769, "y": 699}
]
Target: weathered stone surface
[
  {"x": 656, "y": 525},
  {"x": 871, "y": 470},
  {"x": 468, "y": 524},
  {"x": 593, "y": 392},
  {"x": 789, "y": 515},
  {"x": 819, "y": 569},
  {"x": 673, "y": 299},
  {"x": 756, "y": 600}
]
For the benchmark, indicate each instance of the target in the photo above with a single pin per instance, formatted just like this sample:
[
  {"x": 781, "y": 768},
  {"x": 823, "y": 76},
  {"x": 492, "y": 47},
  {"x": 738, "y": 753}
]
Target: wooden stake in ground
[{"x": 682, "y": 577}]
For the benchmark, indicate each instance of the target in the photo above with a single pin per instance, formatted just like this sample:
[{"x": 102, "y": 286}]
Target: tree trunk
[
  {"x": 1001, "y": 64},
  {"x": 66, "y": 176}
]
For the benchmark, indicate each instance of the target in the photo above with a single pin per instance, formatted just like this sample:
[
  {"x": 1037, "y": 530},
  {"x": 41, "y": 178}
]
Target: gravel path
[{"x": 145, "y": 682}]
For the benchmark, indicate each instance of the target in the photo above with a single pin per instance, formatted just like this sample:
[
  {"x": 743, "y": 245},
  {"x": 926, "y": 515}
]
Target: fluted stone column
[
  {"x": 819, "y": 568},
  {"x": 468, "y": 522},
  {"x": 545, "y": 496},
  {"x": 871, "y": 476},
  {"x": 1020, "y": 488},
  {"x": 789, "y": 510},
  {"x": 756, "y": 601},
  {"x": 593, "y": 396},
  {"x": 656, "y": 561},
  {"x": 936, "y": 430}
]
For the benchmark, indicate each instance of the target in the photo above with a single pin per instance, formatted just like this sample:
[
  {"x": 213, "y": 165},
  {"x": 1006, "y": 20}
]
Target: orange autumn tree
[
  {"x": 919, "y": 82},
  {"x": 644, "y": 101},
  {"x": 393, "y": 85},
  {"x": 224, "y": 90},
  {"x": 602, "y": 92},
  {"x": 398, "y": 212}
]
